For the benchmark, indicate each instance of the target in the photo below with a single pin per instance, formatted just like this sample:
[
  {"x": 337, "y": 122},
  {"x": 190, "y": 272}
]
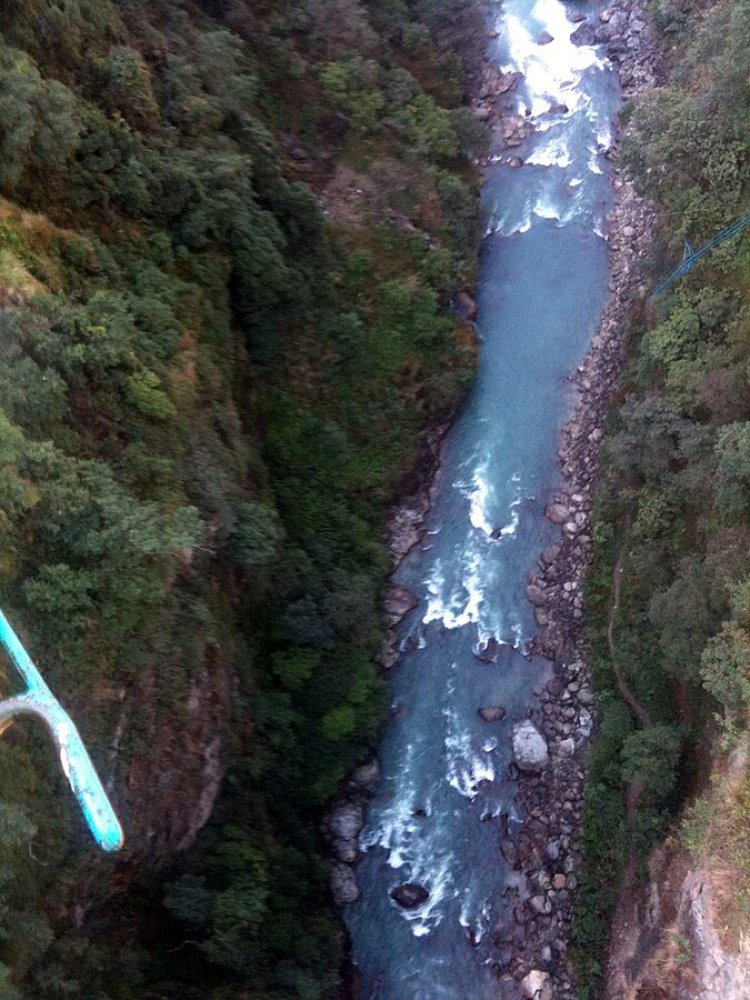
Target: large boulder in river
[
  {"x": 410, "y": 895},
  {"x": 492, "y": 713},
  {"x": 487, "y": 653},
  {"x": 529, "y": 747}
]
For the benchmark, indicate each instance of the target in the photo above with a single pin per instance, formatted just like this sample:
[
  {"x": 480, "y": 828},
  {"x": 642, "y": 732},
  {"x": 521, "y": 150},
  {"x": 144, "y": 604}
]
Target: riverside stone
[
  {"x": 346, "y": 820},
  {"x": 550, "y": 554},
  {"x": 367, "y": 775},
  {"x": 537, "y": 985},
  {"x": 567, "y": 747},
  {"x": 529, "y": 747},
  {"x": 343, "y": 883},
  {"x": 465, "y": 306},
  {"x": 399, "y": 602},
  {"x": 585, "y": 34},
  {"x": 536, "y": 596},
  {"x": 557, "y": 513}
]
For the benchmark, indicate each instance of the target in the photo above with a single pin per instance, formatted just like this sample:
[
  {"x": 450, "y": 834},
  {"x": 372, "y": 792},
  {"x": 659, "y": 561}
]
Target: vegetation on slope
[
  {"x": 228, "y": 235},
  {"x": 674, "y": 500}
]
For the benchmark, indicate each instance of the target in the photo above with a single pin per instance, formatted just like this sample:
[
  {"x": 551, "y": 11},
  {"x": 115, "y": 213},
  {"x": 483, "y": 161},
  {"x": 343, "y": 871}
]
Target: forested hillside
[
  {"x": 674, "y": 502},
  {"x": 229, "y": 232}
]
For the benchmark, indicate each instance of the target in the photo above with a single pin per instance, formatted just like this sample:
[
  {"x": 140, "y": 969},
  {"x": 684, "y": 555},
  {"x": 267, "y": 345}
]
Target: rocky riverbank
[
  {"x": 343, "y": 823},
  {"x": 548, "y": 852}
]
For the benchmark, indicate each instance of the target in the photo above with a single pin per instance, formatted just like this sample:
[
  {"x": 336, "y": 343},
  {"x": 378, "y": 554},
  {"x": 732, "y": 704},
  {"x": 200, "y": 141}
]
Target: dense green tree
[
  {"x": 725, "y": 666},
  {"x": 650, "y": 756}
]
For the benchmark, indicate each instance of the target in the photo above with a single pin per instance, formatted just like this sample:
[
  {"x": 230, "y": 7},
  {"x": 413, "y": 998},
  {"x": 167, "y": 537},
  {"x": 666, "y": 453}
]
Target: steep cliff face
[
  {"x": 168, "y": 793},
  {"x": 684, "y": 932}
]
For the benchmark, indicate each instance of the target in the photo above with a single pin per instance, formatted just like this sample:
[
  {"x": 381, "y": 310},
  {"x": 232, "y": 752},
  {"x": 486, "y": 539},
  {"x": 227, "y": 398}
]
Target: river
[{"x": 445, "y": 772}]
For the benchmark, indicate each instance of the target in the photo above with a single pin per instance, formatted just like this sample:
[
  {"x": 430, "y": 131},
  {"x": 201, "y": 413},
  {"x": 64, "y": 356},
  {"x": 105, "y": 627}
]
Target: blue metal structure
[
  {"x": 39, "y": 701},
  {"x": 693, "y": 256}
]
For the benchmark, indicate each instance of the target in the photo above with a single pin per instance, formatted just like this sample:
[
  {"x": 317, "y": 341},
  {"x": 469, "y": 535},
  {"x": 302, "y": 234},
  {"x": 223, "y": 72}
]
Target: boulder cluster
[
  {"x": 624, "y": 29},
  {"x": 493, "y": 102},
  {"x": 545, "y": 854},
  {"x": 547, "y": 851},
  {"x": 342, "y": 827},
  {"x": 555, "y": 590}
]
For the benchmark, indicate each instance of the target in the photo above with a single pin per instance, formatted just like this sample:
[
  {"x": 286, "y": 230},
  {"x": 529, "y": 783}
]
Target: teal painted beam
[{"x": 39, "y": 701}]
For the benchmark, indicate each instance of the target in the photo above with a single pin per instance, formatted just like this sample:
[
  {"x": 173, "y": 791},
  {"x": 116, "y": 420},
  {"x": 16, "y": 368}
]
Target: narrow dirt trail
[
  {"x": 633, "y": 793},
  {"x": 627, "y": 695},
  {"x": 625, "y": 921}
]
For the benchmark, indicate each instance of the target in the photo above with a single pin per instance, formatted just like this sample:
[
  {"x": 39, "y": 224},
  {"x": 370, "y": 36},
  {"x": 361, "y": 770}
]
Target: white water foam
[
  {"x": 551, "y": 72},
  {"x": 483, "y": 917},
  {"x": 593, "y": 163},
  {"x": 467, "y": 768},
  {"x": 517, "y": 632},
  {"x": 546, "y": 207},
  {"x": 555, "y": 152},
  {"x": 478, "y": 502},
  {"x": 547, "y": 124},
  {"x": 512, "y": 526},
  {"x": 459, "y": 607},
  {"x": 437, "y": 878},
  {"x": 509, "y": 225},
  {"x": 604, "y": 134},
  {"x": 402, "y": 834},
  {"x": 483, "y": 921}
]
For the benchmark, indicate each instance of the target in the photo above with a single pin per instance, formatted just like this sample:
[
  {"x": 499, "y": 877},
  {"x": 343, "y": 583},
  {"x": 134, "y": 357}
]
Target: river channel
[{"x": 445, "y": 772}]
